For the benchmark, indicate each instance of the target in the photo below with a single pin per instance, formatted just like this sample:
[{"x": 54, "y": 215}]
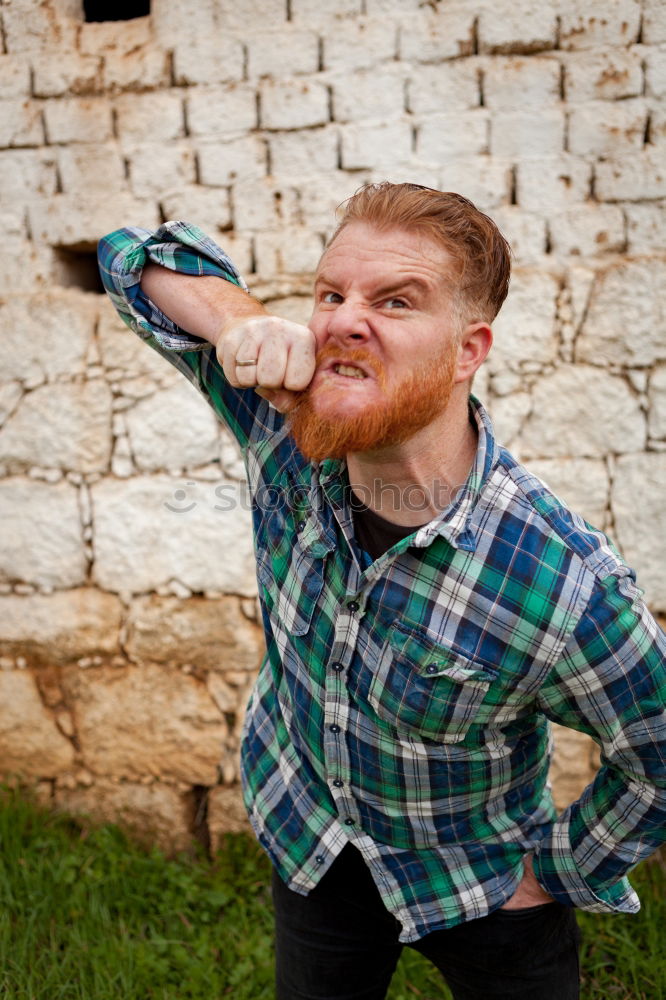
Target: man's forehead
[{"x": 362, "y": 244}]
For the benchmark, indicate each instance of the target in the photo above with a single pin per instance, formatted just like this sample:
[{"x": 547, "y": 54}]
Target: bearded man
[{"x": 395, "y": 750}]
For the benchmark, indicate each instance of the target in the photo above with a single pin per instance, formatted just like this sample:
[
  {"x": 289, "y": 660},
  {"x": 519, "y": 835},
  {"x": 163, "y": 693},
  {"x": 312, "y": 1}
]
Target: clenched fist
[{"x": 284, "y": 353}]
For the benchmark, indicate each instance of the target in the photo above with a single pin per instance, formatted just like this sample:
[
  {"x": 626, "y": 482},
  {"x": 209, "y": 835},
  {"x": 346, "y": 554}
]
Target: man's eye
[
  {"x": 395, "y": 304},
  {"x": 331, "y": 298}
]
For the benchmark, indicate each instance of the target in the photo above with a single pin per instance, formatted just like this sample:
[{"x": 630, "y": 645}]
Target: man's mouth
[{"x": 351, "y": 371}]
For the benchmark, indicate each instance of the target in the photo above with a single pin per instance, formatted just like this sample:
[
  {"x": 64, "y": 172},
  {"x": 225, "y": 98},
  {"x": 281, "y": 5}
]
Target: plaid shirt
[{"x": 403, "y": 704}]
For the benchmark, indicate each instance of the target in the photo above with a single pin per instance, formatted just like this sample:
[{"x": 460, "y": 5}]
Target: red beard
[{"x": 408, "y": 406}]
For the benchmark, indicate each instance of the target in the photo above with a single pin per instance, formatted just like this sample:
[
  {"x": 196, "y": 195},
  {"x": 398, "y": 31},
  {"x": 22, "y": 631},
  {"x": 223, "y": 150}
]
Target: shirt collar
[{"x": 453, "y": 523}]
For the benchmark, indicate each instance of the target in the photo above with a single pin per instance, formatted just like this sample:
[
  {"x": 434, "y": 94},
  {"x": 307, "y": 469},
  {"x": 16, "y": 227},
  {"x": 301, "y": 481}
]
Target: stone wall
[{"x": 127, "y": 595}]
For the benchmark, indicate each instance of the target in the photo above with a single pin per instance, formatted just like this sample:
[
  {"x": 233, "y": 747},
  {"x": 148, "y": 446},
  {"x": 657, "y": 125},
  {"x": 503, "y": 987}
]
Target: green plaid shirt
[{"x": 403, "y": 704}]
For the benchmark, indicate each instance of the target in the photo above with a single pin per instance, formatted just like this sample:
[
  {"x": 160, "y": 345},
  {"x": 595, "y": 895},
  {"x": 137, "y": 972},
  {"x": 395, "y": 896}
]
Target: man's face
[{"x": 386, "y": 342}]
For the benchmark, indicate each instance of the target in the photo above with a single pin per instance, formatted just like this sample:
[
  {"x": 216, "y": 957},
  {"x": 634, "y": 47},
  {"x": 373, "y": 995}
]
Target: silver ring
[{"x": 245, "y": 364}]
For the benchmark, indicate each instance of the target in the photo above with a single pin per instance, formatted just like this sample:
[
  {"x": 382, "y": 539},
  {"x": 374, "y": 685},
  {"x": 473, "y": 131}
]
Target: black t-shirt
[{"x": 374, "y": 534}]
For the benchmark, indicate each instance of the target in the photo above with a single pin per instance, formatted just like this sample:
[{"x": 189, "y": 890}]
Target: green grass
[{"x": 87, "y": 914}]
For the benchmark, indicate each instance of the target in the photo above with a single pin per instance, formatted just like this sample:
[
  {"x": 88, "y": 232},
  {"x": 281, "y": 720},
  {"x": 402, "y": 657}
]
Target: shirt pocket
[
  {"x": 291, "y": 574},
  {"x": 427, "y": 688}
]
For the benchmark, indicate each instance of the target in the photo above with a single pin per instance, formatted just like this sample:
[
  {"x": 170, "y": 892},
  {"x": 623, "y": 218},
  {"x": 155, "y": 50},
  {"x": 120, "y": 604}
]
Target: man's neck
[{"x": 413, "y": 482}]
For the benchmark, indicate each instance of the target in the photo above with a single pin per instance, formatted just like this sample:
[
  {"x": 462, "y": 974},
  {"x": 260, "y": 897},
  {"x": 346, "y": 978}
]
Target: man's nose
[{"x": 349, "y": 323}]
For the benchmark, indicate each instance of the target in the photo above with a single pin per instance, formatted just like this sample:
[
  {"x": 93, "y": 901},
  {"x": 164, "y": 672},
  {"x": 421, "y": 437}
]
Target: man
[{"x": 395, "y": 751}]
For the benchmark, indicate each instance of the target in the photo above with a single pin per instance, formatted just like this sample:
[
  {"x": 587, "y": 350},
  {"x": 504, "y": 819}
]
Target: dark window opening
[
  {"x": 77, "y": 268},
  {"x": 115, "y": 10}
]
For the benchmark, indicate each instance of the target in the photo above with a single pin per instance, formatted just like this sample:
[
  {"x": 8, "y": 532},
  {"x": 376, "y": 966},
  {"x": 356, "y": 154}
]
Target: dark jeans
[{"x": 341, "y": 943}]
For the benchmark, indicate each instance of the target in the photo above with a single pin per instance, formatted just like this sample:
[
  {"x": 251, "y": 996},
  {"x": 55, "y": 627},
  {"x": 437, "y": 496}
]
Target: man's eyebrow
[{"x": 390, "y": 288}]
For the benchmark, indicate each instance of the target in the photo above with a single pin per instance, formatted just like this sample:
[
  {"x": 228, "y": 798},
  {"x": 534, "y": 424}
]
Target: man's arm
[{"x": 240, "y": 329}]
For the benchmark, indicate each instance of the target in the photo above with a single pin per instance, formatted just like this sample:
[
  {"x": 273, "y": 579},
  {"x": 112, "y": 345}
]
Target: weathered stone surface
[
  {"x": 657, "y": 398},
  {"x": 221, "y": 110},
  {"x": 604, "y": 74},
  {"x": 637, "y": 497},
  {"x": 46, "y": 334},
  {"x": 553, "y": 184},
  {"x": 525, "y": 26},
  {"x": 582, "y": 483},
  {"x": 10, "y": 394},
  {"x": 616, "y": 23},
  {"x": 579, "y": 410},
  {"x": 156, "y": 814},
  {"x": 512, "y": 83},
  {"x": 226, "y": 814},
  {"x": 123, "y": 354},
  {"x": 60, "y": 627},
  {"x": 31, "y": 745},
  {"x": 626, "y": 320},
  {"x": 574, "y": 764},
  {"x": 43, "y": 540},
  {"x": 145, "y": 720},
  {"x": 587, "y": 230},
  {"x": 147, "y": 534},
  {"x": 508, "y": 415},
  {"x": 173, "y": 428},
  {"x": 208, "y": 634},
  {"x": 525, "y": 328},
  {"x": 434, "y": 37},
  {"x": 66, "y": 425}
]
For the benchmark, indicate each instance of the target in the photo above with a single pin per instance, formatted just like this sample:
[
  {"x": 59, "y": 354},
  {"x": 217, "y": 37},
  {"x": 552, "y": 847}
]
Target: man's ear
[{"x": 473, "y": 347}]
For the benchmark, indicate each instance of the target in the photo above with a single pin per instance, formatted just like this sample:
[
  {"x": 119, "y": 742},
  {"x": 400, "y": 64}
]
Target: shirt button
[
  {"x": 338, "y": 783},
  {"x": 353, "y": 605},
  {"x": 300, "y": 525},
  {"x": 431, "y": 668},
  {"x": 320, "y": 859},
  {"x": 337, "y": 666},
  {"x": 334, "y": 728},
  {"x": 349, "y": 821}
]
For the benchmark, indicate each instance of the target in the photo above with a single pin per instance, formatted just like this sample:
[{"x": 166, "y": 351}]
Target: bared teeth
[{"x": 349, "y": 371}]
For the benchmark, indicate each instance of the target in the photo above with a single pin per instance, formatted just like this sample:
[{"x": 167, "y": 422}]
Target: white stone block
[
  {"x": 579, "y": 410},
  {"x": 429, "y": 36},
  {"x": 376, "y": 146},
  {"x": 144, "y": 68},
  {"x": 223, "y": 163},
  {"x": 360, "y": 43},
  {"x": 54, "y": 76},
  {"x": 221, "y": 110},
  {"x": 484, "y": 180},
  {"x": 25, "y": 267},
  {"x": 297, "y": 308},
  {"x": 525, "y": 231},
  {"x": 156, "y": 168},
  {"x": 295, "y": 154},
  {"x": 208, "y": 59},
  {"x": 320, "y": 195},
  {"x": 61, "y": 626},
  {"x": 172, "y": 427},
  {"x": 78, "y": 119},
  {"x": 147, "y": 534},
  {"x": 527, "y": 135},
  {"x": 91, "y": 168},
  {"x": 655, "y": 72},
  {"x": 27, "y": 172},
  {"x": 582, "y": 483},
  {"x": 634, "y": 178},
  {"x": 31, "y": 745},
  {"x": 43, "y": 535},
  {"x": 10, "y": 394},
  {"x": 525, "y": 328},
  {"x": 122, "y": 352},
  {"x": 615, "y": 22},
  {"x": 654, "y": 22},
  {"x": 66, "y": 425},
  {"x": 286, "y": 104},
  {"x": 603, "y": 74},
  {"x": 625, "y": 319},
  {"x": 657, "y": 401},
  {"x": 30, "y": 27},
  {"x": 46, "y": 335},
  {"x": 205, "y": 209},
  {"x": 292, "y": 251},
  {"x": 523, "y": 26},
  {"x": 587, "y": 230},
  {"x": 646, "y": 228},
  {"x": 21, "y": 123},
  {"x": 283, "y": 52},
  {"x": 440, "y": 138},
  {"x": 513, "y": 83},
  {"x": 508, "y": 414},
  {"x": 103, "y": 37},
  {"x": 336, "y": 15},
  {"x": 554, "y": 184},
  {"x": 14, "y": 77},
  {"x": 151, "y": 117},
  {"x": 608, "y": 130},
  {"x": 363, "y": 94},
  {"x": 639, "y": 512},
  {"x": 447, "y": 87},
  {"x": 80, "y": 220}
]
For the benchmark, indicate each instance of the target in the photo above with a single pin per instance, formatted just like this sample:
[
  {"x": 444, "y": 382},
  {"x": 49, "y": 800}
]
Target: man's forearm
[{"x": 200, "y": 305}]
